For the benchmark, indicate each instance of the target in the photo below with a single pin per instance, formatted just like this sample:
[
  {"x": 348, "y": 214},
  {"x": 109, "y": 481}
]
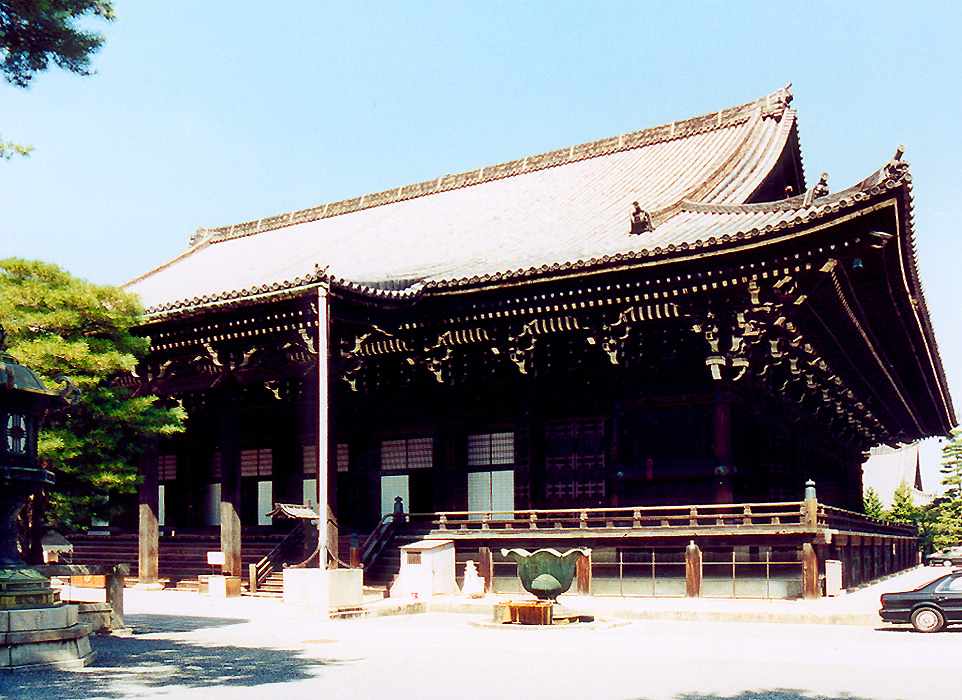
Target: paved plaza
[{"x": 183, "y": 645}]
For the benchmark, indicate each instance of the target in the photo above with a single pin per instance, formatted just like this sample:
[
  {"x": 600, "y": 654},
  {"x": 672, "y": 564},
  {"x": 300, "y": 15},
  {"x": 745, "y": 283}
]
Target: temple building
[{"x": 632, "y": 344}]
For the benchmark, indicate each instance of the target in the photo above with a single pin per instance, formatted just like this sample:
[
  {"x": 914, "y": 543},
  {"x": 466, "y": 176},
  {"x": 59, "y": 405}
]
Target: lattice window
[
  {"x": 575, "y": 490},
  {"x": 310, "y": 460},
  {"x": 575, "y": 444},
  {"x": 166, "y": 467},
  {"x": 408, "y": 453},
  {"x": 485, "y": 449},
  {"x": 256, "y": 462}
]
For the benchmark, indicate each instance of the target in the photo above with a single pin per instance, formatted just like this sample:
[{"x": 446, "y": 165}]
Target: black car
[
  {"x": 929, "y": 608},
  {"x": 945, "y": 557}
]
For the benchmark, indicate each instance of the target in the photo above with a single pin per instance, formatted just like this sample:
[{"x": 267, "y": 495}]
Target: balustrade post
[
  {"x": 443, "y": 522},
  {"x": 810, "y": 587},
  {"x": 486, "y": 521},
  {"x": 747, "y": 515},
  {"x": 636, "y": 518},
  {"x": 811, "y": 505},
  {"x": 693, "y": 570},
  {"x": 583, "y": 519},
  {"x": 693, "y": 516}
]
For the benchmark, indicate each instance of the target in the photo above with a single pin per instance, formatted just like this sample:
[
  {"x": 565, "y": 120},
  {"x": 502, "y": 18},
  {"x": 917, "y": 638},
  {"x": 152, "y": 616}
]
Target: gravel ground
[{"x": 261, "y": 649}]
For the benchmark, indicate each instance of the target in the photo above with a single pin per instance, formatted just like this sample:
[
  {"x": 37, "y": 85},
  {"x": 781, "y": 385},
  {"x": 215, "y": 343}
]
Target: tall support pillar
[
  {"x": 230, "y": 485},
  {"x": 148, "y": 531},
  {"x": 323, "y": 423},
  {"x": 722, "y": 444}
]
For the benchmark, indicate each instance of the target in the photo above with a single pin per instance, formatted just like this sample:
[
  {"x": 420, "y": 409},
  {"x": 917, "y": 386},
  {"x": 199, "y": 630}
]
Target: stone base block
[
  {"x": 97, "y": 616},
  {"x": 44, "y": 638}
]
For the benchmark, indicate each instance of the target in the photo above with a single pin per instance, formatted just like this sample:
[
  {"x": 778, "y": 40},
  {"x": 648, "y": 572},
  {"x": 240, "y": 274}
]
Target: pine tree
[
  {"x": 872, "y": 504},
  {"x": 58, "y": 325},
  {"x": 949, "y": 508},
  {"x": 903, "y": 510}
]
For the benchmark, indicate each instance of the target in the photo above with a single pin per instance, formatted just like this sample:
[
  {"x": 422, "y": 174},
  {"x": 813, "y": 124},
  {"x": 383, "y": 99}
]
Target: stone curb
[{"x": 813, "y": 618}]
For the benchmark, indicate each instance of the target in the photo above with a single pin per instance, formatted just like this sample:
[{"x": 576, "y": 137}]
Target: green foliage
[
  {"x": 9, "y": 149},
  {"x": 872, "y": 504},
  {"x": 903, "y": 510},
  {"x": 61, "y": 325},
  {"x": 949, "y": 507},
  {"x": 35, "y": 33}
]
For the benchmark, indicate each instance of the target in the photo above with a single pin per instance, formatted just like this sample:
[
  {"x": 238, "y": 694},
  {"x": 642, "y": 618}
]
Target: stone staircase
[{"x": 182, "y": 558}]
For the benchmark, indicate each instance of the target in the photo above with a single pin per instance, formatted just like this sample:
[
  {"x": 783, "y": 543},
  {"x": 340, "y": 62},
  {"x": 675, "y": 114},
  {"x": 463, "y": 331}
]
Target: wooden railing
[
  {"x": 804, "y": 516},
  {"x": 841, "y": 519},
  {"x": 375, "y": 542},
  {"x": 630, "y": 518},
  {"x": 275, "y": 559}
]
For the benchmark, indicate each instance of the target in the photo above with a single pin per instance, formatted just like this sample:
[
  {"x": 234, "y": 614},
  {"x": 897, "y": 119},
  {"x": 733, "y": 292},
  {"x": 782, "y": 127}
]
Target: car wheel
[
  {"x": 927, "y": 620},
  {"x": 946, "y": 563}
]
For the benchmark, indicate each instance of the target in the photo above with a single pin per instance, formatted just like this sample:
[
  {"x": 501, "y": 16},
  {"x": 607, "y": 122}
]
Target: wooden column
[
  {"x": 722, "y": 445},
  {"x": 693, "y": 570},
  {"x": 583, "y": 572},
  {"x": 230, "y": 481},
  {"x": 486, "y": 568},
  {"x": 810, "y": 583},
  {"x": 322, "y": 421},
  {"x": 148, "y": 531}
]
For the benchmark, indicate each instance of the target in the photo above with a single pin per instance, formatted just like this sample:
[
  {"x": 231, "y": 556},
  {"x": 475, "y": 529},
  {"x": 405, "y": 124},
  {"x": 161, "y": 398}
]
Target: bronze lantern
[{"x": 23, "y": 401}]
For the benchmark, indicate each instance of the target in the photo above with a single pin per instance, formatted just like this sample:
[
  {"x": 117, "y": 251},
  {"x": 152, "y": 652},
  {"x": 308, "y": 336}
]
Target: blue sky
[{"x": 209, "y": 113}]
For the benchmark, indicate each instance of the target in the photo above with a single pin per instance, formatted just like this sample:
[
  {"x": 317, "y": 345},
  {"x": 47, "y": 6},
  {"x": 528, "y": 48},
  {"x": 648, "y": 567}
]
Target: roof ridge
[
  {"x": 895, "y": 170},
  {"x": 771, "y": 106},
  {"x": 893, "y": 175}
]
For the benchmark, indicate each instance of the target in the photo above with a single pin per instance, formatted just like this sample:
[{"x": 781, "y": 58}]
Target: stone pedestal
[
  {"x": 324, "y": 590},
  {"x": 224, "y": 586},
  {"x": 43, "y": 638}
]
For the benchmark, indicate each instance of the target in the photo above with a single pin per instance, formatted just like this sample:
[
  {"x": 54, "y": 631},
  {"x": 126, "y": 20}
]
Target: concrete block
[{"x": 4, "y": 621}]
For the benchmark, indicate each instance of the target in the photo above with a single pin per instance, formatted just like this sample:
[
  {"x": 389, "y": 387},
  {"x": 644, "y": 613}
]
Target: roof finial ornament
[
  {"x": 896, "y": 167},
  {"x": 777, "y": 103},
  {"x": 640, "y": 220},
  {"x": 821, "y": 189}
]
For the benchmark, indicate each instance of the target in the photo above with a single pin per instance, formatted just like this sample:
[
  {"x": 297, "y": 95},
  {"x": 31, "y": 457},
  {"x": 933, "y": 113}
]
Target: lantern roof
[{"x": 17, "y": 377}]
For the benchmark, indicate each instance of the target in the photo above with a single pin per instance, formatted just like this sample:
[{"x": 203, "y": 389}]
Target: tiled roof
[{"x": 562, "y": 209}]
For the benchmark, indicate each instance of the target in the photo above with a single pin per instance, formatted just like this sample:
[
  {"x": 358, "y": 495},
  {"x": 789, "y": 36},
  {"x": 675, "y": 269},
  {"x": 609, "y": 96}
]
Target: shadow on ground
[
  {"x": 127, "y": 666},
  {"x": 148, "y": 624}
]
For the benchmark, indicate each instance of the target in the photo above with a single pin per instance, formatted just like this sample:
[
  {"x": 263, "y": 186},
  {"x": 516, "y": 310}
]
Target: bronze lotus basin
[{"x": 545, "y": 573}]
